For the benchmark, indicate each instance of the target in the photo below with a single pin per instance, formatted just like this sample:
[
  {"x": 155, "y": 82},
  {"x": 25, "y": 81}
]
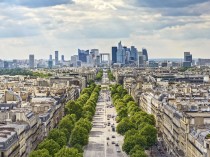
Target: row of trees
[
  {"x": 25, "y": 72},
  {"x": 137, "y": 126},
  {"x": 99, "y": 75},
  {"x": 73, "y": 130},
  {"x": 110, "y": 75}
]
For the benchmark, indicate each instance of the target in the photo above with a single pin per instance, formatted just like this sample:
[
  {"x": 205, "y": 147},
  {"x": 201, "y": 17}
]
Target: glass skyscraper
[{"x": 114, "y": 55}]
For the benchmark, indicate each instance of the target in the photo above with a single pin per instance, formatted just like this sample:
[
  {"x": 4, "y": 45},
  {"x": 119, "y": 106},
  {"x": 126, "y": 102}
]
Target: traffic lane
[
  {"x": 96, "y": 146},
  {"x": 118, "y": 138}
]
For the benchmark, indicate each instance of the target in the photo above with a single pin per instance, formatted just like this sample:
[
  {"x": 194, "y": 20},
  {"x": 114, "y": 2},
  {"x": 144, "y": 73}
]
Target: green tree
[
  {"x": 68, "y": 152},
  {"x": 150, "y": 133},
  {"x": 40, "y": 153},
  {"x": 132, "y": 141},
  {"x": 79, "y": 136},
  {"x": 58, "y": 136},
  {"x": 79, "y": 148},
  {"x": 86, "y": 90},
  {"x": 119, "y": 89},
  {"x": 136, "y": 148},
  {"x": 122, "y": 112},
  {"x": 125, "y": 125},
  {"x": 74, "y": 108},
  {"x": 89, "y": 108},
  {"x": 131, "y": 103},
  {"x": 127, "y": 98},
  {"x": 49, "y": 144},
  {"x": 139, "y": 153},
  {"x": 84, "y": 123},
  {"x": 67, "y": 124}
]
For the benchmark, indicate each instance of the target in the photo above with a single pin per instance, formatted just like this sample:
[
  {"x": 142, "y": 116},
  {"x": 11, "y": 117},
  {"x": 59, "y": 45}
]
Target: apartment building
[{"x": 29, "y": 109}]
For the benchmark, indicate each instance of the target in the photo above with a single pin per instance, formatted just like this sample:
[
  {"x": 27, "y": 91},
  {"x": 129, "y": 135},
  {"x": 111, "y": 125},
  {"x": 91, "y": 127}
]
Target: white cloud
[{"x": 60, "y": 25}]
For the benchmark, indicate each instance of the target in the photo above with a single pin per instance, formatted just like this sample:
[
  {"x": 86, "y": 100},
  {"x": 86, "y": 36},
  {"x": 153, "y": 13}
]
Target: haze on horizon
[{"x": 165, "y": 28}]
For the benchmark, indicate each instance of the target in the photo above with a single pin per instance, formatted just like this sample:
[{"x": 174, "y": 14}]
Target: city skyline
[{"x": 166, "y": 29}]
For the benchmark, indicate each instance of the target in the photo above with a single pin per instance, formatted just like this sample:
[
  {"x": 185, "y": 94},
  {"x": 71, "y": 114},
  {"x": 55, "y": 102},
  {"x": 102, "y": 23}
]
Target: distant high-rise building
[
  {"x": 50, "y": 64},
  {"x": 62, "y": 58},
  {"x": 153, "y": 64},
  {"x": 140, "y": 59},
  {"x": 114, "y": 55},
  {"x": 144, "y": 52},
  {"x": 203, "y": 62},
  {"x": 56, "y": 57},
  {"x": 121, "y": 52},
  {"x": 187, "y": 59},
  {"x": 6, "y": 64},
  {"x": 98, "y": 60},
  {"x": 74, "y": 60},
  {"x": 133, "y": 53},
  {"x": 94, "y": 52},
  {"x": 82, "y": 54},
  {"x": 50, "y": 58},
  {"x": 31, "y": 61},
  {"x": 1, "y": 63}
]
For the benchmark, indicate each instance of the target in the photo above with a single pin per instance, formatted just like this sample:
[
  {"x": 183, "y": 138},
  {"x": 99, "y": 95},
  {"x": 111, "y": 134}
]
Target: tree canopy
[
  {"x": 68, "y": 152},
  {"x": 40, "y": 153},
  {"x": 50, "y": 145}
]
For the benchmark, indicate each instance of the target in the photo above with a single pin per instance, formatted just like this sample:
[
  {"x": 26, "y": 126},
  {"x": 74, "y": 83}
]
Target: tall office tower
[
  {"x": 121, "y": 52},
  {"x": 50, "y": 58},
  {"x": 50, "y": 64},
  {"x": 133, "y": 53},
  {"x": 56, "y": 58},
  {"x": 187, "y": 59},
  {"x": 62, "y": 58},
  {"x": 31, "y": 61},
  {"x": 127, "y": 56},
  {"x": 141, "y": 59},
  {"x": 6, "y": 64},
  {"x": 114, "y": 55},
  {"x": 74, "y": 60},
  {"x": 94, "y": 52},
  {"x": 1, "y": 64},
  {"x": 83, "y": 55},
  {"x": 144, "y": 52},
  {"x": 98, "y": 60}
]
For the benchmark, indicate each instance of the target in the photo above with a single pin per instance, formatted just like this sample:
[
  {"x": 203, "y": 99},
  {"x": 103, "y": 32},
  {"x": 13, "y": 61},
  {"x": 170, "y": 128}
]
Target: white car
[{"x": 118, "y": 150}]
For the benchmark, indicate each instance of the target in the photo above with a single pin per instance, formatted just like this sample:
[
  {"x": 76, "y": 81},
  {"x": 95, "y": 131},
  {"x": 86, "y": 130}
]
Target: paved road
[{"x": 98, "y": 145}]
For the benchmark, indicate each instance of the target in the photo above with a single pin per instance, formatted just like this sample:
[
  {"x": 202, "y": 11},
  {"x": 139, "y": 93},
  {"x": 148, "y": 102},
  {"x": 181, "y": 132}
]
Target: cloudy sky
[{"x": 166, "y": 28}]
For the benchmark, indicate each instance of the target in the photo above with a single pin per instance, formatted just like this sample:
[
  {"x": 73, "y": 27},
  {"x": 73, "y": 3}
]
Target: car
[
  {"x": 113, "y": 136},
  {"x": 113, "y": 142},
  {"x": 116, "y": 144},
  {"x": 118, "y": 150},
  {"x": 107, "y": 138}
]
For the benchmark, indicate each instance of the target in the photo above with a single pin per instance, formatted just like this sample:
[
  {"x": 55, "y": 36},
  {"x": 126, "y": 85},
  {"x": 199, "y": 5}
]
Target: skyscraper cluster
[
  {"x": 43, "y": 63},
  {"x": 85, "y": 57},
  {"x": 128, "y": 56}
]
